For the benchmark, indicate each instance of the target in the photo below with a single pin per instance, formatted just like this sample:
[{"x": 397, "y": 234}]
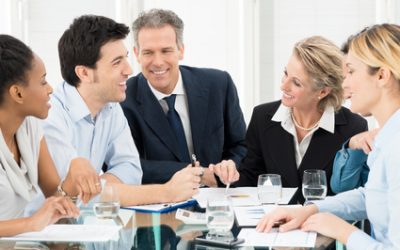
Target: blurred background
[{"x": 251, "y": 39}]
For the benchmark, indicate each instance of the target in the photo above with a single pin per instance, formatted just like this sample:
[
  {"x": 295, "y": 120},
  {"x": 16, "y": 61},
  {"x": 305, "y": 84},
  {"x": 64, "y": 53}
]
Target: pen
[
  {"x": 194, "y": 160},
  {"x": 227, "y": 187}
]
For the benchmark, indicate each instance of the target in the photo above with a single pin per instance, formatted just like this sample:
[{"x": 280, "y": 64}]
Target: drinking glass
[
  {"x": 219, "y": 214},
  {"x": 107, "y": 203},
  {"x": 269, "y": 188},
  {"x": 314, "y": 184}
]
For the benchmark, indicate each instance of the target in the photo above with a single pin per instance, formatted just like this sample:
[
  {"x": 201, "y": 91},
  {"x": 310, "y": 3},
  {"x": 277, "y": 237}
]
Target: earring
[{"x": 319, "y": 98}]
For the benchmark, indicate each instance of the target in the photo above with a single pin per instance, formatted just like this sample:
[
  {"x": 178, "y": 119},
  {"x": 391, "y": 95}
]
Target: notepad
[{"x": 162, "y": 207}]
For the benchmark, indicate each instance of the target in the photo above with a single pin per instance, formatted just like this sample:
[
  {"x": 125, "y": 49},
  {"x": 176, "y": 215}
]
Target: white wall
[
  {"x": 251, "y": 39},
  {"x": 284, "y": 22}
]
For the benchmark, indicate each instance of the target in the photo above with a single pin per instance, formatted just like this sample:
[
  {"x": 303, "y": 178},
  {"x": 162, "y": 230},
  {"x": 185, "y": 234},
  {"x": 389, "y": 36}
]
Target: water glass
[
  {"x": 107, "y": 203},
  {"x": 269, "y": 188},
  {"x": 314, "y": 184},
  {"x": 219, "y": 214}
]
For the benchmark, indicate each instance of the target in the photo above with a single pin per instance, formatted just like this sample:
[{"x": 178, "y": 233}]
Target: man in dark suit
[{"x": 176, "y": 111}]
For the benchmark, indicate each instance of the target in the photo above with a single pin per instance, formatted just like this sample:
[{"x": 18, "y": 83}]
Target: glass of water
[
  {"x": 107, "y": 203},
  {"x": 314, "y": 184},
  {"x": 269, "y": 188},
  {"x": 219, "y": 214}
]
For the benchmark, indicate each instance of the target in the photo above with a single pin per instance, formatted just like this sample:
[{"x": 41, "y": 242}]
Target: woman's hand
[
  {"x": 287, "y": 218},
  {"x": 329, "y": 225},
  {"x": 53, "y": 209}
]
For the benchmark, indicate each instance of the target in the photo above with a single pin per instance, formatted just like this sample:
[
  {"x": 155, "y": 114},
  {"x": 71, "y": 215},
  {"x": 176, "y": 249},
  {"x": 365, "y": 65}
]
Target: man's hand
[
  {"x": 83, "y": 179},
  {"x": 184, "y": 183},
  {"x": 226, "y": 171}
]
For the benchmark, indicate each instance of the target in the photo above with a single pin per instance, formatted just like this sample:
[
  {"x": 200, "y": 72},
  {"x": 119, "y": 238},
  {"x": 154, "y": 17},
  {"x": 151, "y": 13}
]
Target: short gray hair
[{"x": 158, "y": 18}]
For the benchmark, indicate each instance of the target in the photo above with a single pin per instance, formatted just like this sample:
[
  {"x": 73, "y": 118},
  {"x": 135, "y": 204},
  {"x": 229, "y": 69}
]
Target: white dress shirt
[
  {"x": 181, "y": 106},
  {"x": 326, "y": 122}
]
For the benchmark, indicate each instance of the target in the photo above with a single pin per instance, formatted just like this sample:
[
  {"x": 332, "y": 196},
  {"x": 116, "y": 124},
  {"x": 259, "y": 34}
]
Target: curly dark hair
[
  {"x": 15, "y": 61},
  {"x": 81, "y": 43}
]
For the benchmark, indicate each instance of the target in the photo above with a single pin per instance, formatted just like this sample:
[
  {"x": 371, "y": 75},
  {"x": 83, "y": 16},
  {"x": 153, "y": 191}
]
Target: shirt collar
[
  {"x": 179, "y": 90},
  {"x": 76, "y": 106},
  {"x": 326, "y": 122}
]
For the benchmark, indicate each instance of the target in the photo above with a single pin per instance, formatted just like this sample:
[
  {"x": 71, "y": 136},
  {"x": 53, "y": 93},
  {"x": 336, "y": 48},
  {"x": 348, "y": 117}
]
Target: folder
[{"x": 162, "y": 207}]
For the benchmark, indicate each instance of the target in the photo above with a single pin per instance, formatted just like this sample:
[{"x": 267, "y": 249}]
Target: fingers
[{"x": 226, "y": 171}]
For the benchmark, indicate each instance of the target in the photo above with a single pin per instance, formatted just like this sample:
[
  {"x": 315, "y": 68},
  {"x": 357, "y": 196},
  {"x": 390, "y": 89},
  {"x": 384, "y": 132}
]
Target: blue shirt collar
[
  {"x": 75, "y": 105},
  {"x": 386, "y": 132}
]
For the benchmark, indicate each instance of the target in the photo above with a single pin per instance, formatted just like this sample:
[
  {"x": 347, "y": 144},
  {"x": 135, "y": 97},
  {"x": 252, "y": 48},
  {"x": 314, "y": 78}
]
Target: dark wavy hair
[
  {"x": 81, "y": 43},
  {"x": 15, "y": 61}
]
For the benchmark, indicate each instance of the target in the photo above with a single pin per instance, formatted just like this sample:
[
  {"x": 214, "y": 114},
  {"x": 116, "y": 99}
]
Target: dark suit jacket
[
  {"x": 270, "y": 148},
  {"x": 216, "y": 120}
]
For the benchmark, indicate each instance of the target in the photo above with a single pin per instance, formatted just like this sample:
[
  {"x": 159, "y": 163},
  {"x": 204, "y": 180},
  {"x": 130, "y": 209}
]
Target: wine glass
[{"x": 314, "y": 184}]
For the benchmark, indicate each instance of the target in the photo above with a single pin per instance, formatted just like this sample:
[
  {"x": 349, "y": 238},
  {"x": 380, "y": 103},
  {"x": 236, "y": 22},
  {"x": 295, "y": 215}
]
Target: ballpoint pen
[
  {"x": 227, "y": 187},
  {"x": 194, "y": 160}
]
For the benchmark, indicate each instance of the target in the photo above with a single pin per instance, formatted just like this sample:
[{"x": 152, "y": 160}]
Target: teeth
[
  {"x": 287, "y": 96},
  {"x": 159, "y": 72}
]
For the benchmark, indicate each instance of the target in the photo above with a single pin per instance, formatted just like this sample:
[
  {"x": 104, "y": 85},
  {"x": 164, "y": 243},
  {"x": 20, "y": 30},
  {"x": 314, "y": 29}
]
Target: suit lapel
[
  {"x": 197, "y": 97},
  {"x": 282, "y": 153},
  {"x": 152, "y": 113},
  {"x": 314, "y": 158}
]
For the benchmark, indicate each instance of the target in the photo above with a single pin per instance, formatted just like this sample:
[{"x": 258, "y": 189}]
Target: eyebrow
[
  {"x": 119, "y": 57},
  {"x": 294, "y": 77}
]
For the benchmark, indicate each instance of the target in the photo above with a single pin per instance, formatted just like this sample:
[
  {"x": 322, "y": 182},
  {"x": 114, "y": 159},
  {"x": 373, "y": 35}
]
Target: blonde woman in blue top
[{"x": 373, "y": 78}]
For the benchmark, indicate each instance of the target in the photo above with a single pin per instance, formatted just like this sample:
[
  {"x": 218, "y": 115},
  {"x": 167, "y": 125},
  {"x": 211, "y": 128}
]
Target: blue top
[
  {"x": 379, "y": 201},
  {"x": 71, "y": 132},
  {"x": 350, "y": 169}
]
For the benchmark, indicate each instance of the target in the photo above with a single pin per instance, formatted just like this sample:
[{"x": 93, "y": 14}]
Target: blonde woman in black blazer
[{"x": 306, "y": 128}]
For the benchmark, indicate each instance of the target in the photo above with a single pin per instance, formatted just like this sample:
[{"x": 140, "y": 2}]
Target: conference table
[{"x": 143, "y": 231}]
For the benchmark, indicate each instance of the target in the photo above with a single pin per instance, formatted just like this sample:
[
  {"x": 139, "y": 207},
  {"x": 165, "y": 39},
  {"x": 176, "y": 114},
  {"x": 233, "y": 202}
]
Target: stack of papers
[
  {"x": 70, "y": 233},
  {"x": 295, "y": 238},
  {"x": 242, "y": 196}
]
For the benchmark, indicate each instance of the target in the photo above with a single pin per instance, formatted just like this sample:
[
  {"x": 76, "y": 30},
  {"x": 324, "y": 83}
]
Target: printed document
[{"x": 294, "y": 238}]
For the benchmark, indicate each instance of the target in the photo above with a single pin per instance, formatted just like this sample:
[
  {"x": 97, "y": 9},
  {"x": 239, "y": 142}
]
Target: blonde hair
[
  {"x": 322, "y": 60},
  {"x": 378, "y": 46}
]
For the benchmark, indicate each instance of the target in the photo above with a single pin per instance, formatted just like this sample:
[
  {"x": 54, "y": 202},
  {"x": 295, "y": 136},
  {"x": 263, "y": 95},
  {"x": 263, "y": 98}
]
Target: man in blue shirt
[{"x": 86, "y": 125}]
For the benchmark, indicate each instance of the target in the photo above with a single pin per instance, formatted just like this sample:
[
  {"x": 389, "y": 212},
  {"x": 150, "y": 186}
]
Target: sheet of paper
[
  {"x": 295, "y": 238},
  {"x": 71, "y": 233},
  {"x": 242, "y": 196},
  {"x": 250, "y": 216},
  {"x": 160, "y": 206}
]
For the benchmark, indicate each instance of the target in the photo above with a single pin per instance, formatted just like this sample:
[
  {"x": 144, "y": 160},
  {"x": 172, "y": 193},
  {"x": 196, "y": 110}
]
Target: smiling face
[
  {"x": 36, "y": 93},
  {"x": 111, "y": 72},
  {"x": 362, "y": 87},
  {"x": 159, "y": 55},
  {"x": 296, "y": 86}
]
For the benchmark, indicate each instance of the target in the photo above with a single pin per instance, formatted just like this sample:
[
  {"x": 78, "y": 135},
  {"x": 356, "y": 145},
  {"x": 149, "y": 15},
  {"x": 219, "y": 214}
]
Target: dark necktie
[{"x": 176, "y": 124}]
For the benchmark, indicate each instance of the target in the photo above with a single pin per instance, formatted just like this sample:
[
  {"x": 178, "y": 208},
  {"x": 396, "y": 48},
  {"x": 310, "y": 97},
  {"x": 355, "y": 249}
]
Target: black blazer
[
  {"x": 216, "y": 120},
  {"x": 270, "y": 148}
]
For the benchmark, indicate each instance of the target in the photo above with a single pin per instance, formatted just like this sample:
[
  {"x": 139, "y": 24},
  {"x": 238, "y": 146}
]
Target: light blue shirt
[
  {"x": 350, "y": 169},
  {"x": 379, "y": 201},
  {"x": 71, "y": 132}
]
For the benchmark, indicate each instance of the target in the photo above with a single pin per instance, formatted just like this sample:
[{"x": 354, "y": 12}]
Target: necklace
[{"x": 301, "y": 127}]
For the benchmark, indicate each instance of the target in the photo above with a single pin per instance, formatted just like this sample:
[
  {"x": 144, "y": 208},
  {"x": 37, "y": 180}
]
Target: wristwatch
[{"x": 60, "y": 190}]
